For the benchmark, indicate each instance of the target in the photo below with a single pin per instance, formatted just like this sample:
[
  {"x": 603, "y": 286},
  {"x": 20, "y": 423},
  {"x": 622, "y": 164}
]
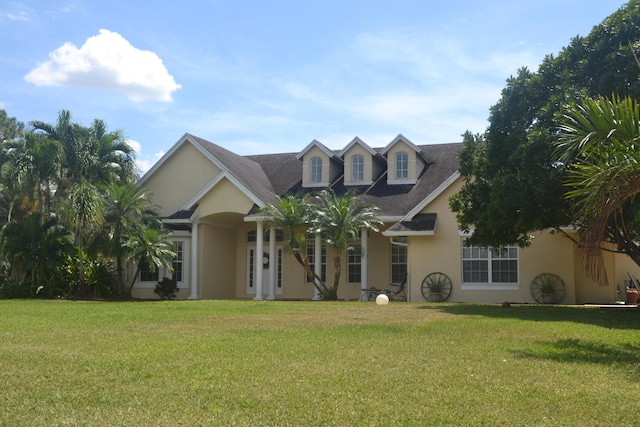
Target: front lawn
[{"x": 252, "y": 363}]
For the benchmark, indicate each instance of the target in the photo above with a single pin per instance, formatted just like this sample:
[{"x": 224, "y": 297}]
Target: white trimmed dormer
[
  {"x": 405, "y": 161},
  {"x": 320, "y": 166},
  {"x": 360, "y": 165}
]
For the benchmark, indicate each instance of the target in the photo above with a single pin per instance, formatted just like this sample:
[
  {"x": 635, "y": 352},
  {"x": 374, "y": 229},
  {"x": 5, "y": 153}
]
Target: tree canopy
[
  {"x": 67, "y": 186},
  {"x": 514, "y": 181},
  {"x": 338, "y": 219}
]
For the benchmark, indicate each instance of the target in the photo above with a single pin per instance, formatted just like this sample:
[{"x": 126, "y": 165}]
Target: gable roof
[
  {"x": 360, "y": 142},
  {"x": 402, "y": 138},
  {"x": 262, "y": 177},
  {"x": 318, "y": 144}
]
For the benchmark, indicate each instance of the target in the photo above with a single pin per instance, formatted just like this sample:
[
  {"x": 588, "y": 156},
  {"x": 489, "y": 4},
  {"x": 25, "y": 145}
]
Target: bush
[
  {"x": 11, "y": 287},
  {"x": 167, "y": 288}
]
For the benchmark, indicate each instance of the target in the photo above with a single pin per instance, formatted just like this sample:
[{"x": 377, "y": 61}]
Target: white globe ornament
[{"x": 382, "y": 299}]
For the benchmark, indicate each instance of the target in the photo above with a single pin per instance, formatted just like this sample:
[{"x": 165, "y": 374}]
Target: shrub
[{"x": 167, "y": 288}]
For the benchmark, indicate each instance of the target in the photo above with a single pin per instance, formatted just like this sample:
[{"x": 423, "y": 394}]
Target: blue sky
[{"x": 270, "y": 76}]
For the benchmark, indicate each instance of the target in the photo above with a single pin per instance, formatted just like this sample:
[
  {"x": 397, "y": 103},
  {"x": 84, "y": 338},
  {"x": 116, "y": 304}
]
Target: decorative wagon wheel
[
  {"x": 436, "y": 287},
  {"x": 547, "y": 288}
]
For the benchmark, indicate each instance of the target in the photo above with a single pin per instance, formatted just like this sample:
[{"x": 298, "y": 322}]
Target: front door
[{"x": 267, "y": 264}]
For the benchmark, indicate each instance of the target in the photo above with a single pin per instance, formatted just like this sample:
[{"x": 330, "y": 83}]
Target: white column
[
  {"x": 194, "y": 261},
  {"x": 273, "y": 258},
  {"x": 317, "y": 266},
  {"x": 258, "y": 261},
  {"x": 364, "y": 258}
]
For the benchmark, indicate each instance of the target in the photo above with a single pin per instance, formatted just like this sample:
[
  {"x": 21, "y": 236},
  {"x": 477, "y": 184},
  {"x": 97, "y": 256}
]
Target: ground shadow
[
  {"x": 546, "y": 313},
  {"x": 581, "y": 351}
]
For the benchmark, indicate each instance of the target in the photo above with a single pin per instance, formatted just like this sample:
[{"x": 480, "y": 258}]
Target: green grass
[{"x": 251, "y": 363}]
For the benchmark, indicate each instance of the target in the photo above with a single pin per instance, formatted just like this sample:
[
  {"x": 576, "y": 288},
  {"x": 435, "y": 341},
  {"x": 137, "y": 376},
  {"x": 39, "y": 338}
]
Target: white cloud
[
  {"x": 107, "y": 61},
  {"x": 143, "y": 162},
  {"x": 137, "y": 147}
]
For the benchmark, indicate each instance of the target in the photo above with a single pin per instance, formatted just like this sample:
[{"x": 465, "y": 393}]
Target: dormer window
[
  {"x": 315, "y": 170},
  {"x": 402, "y": 165},
  {"x": 357, "y": 168}
]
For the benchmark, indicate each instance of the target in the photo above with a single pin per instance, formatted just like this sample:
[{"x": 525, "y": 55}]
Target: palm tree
[
  {"x": 85, "y": 213},
  {"x": 151, "y": 247},
  {"x": 114, "y": 158},
  {"x": 340, "y": 219},
  {"x": 128, "y": 209},
  {"x": 599, "y": 145},
  {"x": 33, "y": 248},
  {"x": 294, "y": 215}
]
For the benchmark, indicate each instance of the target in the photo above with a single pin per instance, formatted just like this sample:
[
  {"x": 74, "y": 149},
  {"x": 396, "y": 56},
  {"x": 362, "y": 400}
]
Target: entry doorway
[{"x": 266, "y": 263}]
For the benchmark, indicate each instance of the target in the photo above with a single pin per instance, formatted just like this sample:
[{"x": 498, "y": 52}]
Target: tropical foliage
[
  {"x": 516, "y": 176},
  {"x": 599, "y": 145},
  {"x": 68, "y": 207},
  {"x": 338, "y": 219}
]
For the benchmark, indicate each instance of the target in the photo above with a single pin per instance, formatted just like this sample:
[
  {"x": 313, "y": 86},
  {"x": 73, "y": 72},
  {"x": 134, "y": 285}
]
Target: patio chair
[{"x": 397, "y": 291}]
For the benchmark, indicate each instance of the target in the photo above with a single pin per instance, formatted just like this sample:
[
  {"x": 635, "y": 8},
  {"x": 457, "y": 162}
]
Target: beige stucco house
[{"x": 210, "y": 197}]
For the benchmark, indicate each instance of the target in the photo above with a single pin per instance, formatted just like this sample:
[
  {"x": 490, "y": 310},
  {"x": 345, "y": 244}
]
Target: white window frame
[
  {"x": 315, "y": 170},
  {"x": 397, "y": 263},
  {"x": 357, "y": 168},
  {"x": 166, "y": 272},
  {"x": 354, "y": 262},
  {"x": 311, "y": 256},
  {"x": 488, "y": 255},
  {"x": 402, "y": 159}
]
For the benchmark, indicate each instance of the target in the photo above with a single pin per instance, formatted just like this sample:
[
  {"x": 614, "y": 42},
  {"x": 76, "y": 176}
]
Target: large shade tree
[{"x": 514, "y": 183}]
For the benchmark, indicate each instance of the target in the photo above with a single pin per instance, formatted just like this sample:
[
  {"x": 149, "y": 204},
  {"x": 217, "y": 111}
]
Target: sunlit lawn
[{"x": 315, "y": 363}]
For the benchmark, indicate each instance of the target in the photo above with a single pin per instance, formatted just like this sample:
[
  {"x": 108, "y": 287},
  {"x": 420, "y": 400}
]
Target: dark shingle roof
[
  {"x": 245, "y": 170},
  {"x": 269, "y": 174},
  {"x": 419, "y": 223}
]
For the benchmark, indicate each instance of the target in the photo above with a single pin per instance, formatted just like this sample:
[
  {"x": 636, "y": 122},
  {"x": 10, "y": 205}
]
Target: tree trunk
[
  {"x": 133, "y": 282},
  {"x": 315, "y": 279},
  {"x": 82, "y": 290}
]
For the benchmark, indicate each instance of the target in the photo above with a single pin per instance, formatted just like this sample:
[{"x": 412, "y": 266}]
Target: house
[{"x": 210, "y": 197}]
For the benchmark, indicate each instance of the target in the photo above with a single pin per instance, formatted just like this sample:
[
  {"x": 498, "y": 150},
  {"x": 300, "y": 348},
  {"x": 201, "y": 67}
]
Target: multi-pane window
[
  {"x": 485, "y": 265},
  {"x": 398, "y": 263},
  {"x": 354, "y": 264},
  {"x": 402, "y": 165},
  {"x": 316, "y": 169},
  {"x": 178, "y": 262},
  {"x": 311, "y": 256},
  {"x": 357, "y": 168},
  {"x": 251, "y": 235},
  {"x": 148, "y": 273}
]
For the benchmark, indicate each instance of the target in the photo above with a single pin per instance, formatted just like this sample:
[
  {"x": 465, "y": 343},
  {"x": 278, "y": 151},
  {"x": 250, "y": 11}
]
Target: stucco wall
[
  {"x": 369, "y": 171},
  {"x": 224, "y": 198},
  {"x": 415, "y": 166},
  {"x": 217, "y": 261},
  {"x": 180, "y": 178}
]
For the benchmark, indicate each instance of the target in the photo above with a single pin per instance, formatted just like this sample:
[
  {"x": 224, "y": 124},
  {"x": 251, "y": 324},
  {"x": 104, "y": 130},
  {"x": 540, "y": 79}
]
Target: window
[
  {"x": 316, "y": 170},
  {"x": 485, "y": 265},
  {"x": 402, "y": 165},
  {"x": 357, "y": 168},
  {"x": 147, "y": 273},
  {"x": 178, "y": 262},
  {"x": 251, "y": 235},
  {"x": 398, "y": 263},
  {"x": 311, "y": 256},
  {"x": 354, "y": 263}
]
